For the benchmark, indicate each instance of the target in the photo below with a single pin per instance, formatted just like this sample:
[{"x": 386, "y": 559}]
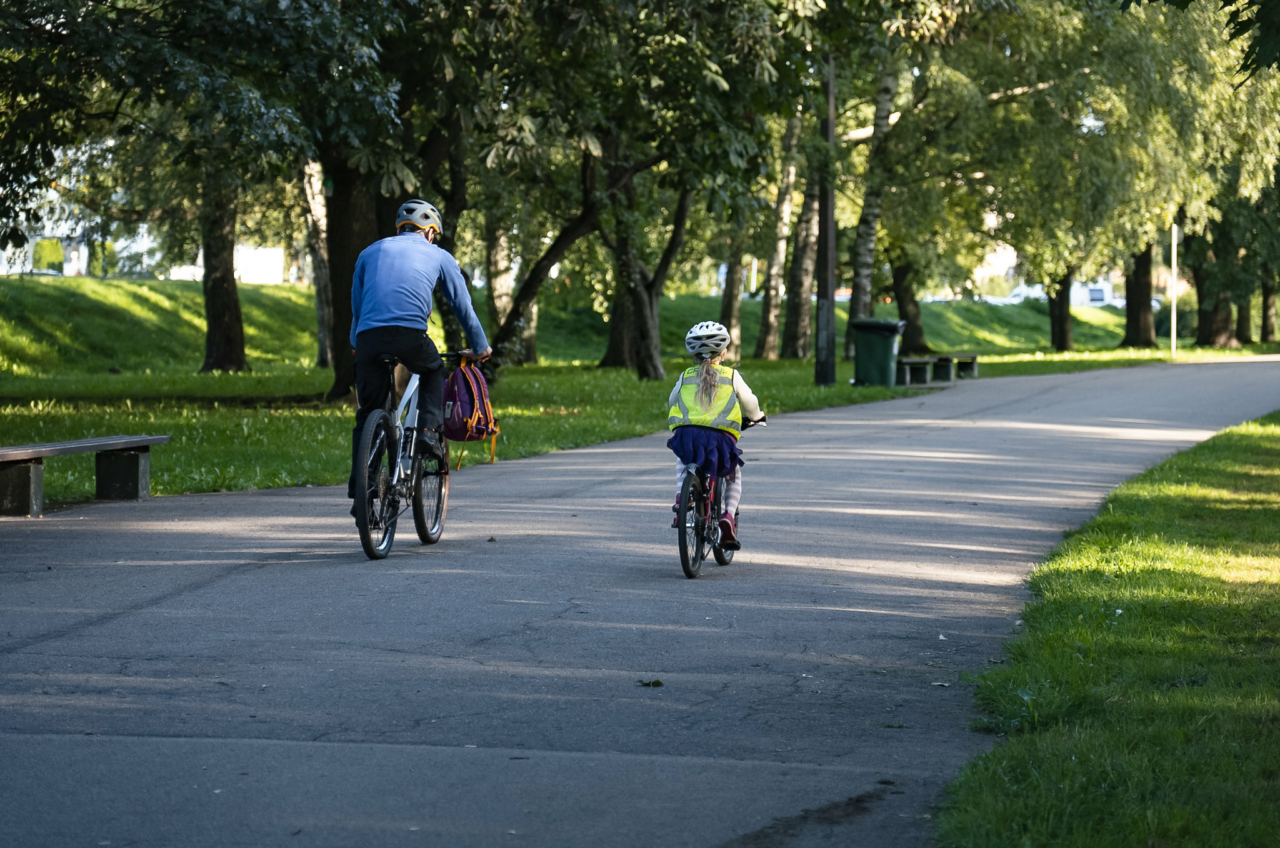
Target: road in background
[{"x": 230, "y": 670}]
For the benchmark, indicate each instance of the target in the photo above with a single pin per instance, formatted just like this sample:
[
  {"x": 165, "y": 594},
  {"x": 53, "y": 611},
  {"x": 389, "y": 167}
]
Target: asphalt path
[{"x": 230, "y": 670}]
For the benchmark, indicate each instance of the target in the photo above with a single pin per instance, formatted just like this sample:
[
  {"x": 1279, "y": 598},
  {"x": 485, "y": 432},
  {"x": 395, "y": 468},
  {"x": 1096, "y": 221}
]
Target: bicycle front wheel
[
  {"x": 691, "y": 525},
  {"x": 430, "y": 495},
  {"x": 376, "y": 503}
]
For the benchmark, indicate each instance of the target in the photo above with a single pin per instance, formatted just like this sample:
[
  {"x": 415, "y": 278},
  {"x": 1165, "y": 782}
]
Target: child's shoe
[
  {"x": 729, "y": 533},
  {"x": 675, "y": 522}
]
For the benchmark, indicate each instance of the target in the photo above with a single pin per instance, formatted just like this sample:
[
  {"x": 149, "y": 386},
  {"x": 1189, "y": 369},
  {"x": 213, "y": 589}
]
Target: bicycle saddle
[{"x": 387, "y": 360}]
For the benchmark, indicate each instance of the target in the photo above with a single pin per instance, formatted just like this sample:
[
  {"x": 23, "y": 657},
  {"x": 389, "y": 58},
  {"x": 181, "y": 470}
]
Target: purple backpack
[{"x": 468, "y": 417}]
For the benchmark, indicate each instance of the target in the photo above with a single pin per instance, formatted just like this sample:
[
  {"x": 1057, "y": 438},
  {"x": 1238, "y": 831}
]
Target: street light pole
[
  {"x": 824, "y": 368},
  {"x": 1173, "y": 297}
]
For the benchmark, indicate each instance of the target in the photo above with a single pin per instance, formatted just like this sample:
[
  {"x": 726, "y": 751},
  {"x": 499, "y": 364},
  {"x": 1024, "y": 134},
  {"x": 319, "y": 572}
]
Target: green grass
[
  {"x": 58, "y": 324},
  {"x": 1142, "y": 703},
  {"x": 216, "y": 446},
  {"x": 82, "y": 357},
  {"x": 990, "y": 329}
]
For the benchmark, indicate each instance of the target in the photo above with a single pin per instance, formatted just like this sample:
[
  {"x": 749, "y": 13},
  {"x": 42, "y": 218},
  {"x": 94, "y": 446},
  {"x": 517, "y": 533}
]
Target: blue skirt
[{"x": 714, "y": 451}]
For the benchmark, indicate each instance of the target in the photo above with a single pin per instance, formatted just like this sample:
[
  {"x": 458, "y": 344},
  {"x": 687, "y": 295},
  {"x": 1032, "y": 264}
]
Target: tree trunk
[
  {"x": 1213, "y": 319},
  {"x": 771, "y": 295},
  {"x": 796, "y": 334},
  {"x": 224, "y": 327},
  {"x": 633, "y": 326},
  {"x": 1244, "y": 320},
  {"x": 875, "y": 178},
  {"x": 500, "y": 269},
  {"x": 455, "y": 203},
  {"x": 913, "y": 341},
  {"x": 731, "y": 304},
  {"x": 318, "y": 252},
  {"x": 352, "y": 226},
  {"x": 620, "y": 351},
  {"x": 1139, "y": 323},
  {"x": 508, "y": 341},
  {"x": 648, "y": 341},
  {"x": 643, "y": 345},
  {"x": 529, "y": 351},
  {"x": 501, "y": 274},
  {"x": 1060, "y": 315},
  {"x": 1268, "y": 311}
]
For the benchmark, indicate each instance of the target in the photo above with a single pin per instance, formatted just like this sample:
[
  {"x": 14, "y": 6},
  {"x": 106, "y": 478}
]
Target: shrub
[{"x": 47, "y": 256}]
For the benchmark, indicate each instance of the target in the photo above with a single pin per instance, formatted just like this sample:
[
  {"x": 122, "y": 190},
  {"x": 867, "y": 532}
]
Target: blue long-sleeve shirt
[{"x": 394, "y": 281}]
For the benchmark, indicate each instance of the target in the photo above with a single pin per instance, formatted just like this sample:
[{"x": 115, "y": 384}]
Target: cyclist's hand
[
  {"x": 478, "y": 357},
  {"x": 762, "y": 421}
]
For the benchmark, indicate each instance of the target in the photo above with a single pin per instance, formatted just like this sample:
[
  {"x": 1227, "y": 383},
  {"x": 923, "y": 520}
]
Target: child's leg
[
  {"x": 682, "y": 471},
  {"x": 733, "y": 493}
]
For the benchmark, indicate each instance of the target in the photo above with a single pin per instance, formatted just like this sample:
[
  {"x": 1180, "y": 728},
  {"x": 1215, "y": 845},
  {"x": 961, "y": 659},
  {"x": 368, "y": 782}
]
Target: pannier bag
[{"x": 468, "y": 417}]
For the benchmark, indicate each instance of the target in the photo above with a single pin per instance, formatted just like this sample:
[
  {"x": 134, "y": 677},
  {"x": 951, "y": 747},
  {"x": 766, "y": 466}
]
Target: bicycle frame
[
  {"x": 406, "y": 412},
  {"x": 709, "y": 484}
]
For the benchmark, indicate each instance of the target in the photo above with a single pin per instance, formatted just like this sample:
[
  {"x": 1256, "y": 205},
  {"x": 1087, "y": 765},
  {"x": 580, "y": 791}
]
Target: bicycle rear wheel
[
  {"x": 430, "y": 495},
  {"x": 691, "y": 525},
  {"x": 376, "y": 502}
]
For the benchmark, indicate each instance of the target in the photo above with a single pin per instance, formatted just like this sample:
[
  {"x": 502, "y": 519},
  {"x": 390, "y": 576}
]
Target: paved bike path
[{"x": 230, "y": 670}]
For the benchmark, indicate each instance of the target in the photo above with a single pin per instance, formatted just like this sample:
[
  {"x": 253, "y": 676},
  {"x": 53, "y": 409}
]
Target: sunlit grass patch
[
  {"x": 1141, "y": 703},
  {"x": 265, "y": 443}
]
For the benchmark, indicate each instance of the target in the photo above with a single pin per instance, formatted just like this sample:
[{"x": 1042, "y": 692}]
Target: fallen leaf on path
[
  {"x": 939, "y": 684},
  {"x": 652, "y": 684}
]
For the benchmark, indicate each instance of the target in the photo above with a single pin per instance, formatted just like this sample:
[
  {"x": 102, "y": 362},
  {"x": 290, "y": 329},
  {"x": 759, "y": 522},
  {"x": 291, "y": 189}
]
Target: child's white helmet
[{"x": 706, "y": 339}]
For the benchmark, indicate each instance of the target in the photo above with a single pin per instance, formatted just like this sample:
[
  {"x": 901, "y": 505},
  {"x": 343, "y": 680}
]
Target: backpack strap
[{"x": 481, "y": 397}]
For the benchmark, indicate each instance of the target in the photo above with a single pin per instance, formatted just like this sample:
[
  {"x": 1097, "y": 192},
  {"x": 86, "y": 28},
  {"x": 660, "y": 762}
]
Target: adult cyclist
[{"x": 390, "y": 302}]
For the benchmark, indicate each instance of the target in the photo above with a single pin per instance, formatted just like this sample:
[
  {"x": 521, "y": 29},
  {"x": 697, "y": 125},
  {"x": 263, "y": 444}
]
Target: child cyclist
[{"x": 708, "y": 405}]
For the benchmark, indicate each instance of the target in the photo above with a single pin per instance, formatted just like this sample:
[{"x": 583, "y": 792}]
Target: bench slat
[{"x": 100, "y": 443}]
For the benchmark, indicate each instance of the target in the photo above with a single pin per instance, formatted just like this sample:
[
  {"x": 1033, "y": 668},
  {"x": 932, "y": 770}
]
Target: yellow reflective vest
[{"x": 724, "y": 411}]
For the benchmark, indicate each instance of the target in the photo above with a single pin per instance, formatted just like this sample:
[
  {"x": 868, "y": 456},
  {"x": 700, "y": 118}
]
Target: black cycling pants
[{"x": 418, "y": 353}]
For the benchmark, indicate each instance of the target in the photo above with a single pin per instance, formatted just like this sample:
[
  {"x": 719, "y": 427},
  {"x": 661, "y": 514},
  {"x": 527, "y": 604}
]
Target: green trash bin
[{"x": 876, "y": 351}]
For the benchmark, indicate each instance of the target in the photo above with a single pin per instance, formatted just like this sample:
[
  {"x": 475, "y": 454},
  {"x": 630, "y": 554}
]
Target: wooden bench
[
  {"x": 953, "y": 365},
  {"x": 915, "y": 370},
  {"x": 122, "y": 467}
]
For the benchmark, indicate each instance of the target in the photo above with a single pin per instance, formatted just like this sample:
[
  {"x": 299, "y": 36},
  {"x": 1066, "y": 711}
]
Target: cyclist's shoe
[
  {"x": 430, "y": 444},
  {"x": 354, "y": 512},
  {"x": 675, "y": 522},
  {"x": 729, "y": 533}
]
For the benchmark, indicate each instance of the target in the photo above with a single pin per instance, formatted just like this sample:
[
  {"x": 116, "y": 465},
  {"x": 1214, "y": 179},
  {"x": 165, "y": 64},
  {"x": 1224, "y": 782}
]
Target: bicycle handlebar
[
  {"x": 459, "y": 355},
  {"x": 762, "y": 421}
]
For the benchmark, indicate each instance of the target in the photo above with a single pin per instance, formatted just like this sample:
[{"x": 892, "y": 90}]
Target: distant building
[{"x": 262, "y": 266}]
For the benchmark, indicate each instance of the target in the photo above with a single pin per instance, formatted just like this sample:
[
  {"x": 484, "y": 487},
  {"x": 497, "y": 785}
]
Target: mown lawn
[
  {"x": 1142, "y": 702},
  {"x": 83, "y": 356},
  {"x": 252, "y": 445}
]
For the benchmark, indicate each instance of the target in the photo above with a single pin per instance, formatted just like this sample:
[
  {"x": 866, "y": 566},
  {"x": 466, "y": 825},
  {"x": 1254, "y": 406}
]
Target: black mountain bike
[
  {"x": 698, "y": 521},
  {"x": 398, "y": 475}
]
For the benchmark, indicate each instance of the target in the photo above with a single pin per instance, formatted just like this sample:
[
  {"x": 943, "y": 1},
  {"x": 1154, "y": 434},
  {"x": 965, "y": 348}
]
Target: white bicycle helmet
[
  {"x": 706, "y": 339},
  {"x": 421, "y": 214}
]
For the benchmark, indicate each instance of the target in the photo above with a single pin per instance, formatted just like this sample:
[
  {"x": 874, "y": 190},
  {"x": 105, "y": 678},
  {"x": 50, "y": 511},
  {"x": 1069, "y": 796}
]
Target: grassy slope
[
  {"x": 1141, "y": 703},
  {"x": 217, "y": 446},
  {"x": 81, "y": 323},
  {"x": 962, "y": 325},
  {"x": 60, "y": 336}
]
